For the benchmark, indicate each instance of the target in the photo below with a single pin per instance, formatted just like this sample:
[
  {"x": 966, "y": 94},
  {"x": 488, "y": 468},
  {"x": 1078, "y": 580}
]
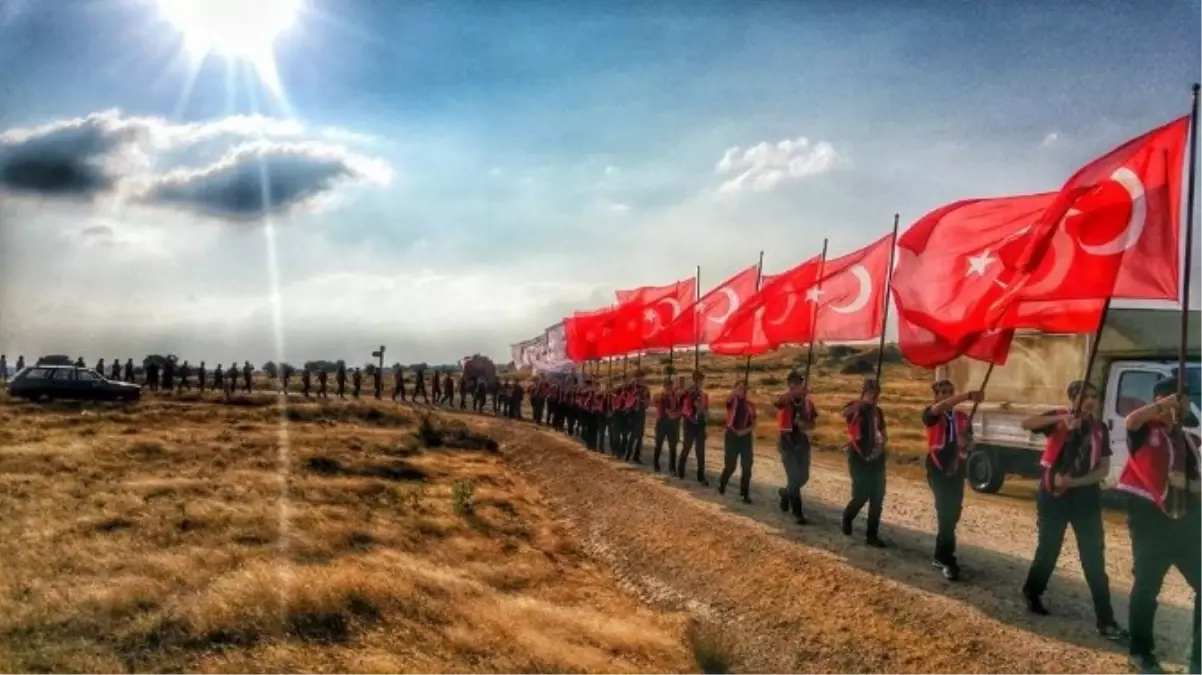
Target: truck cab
[{"x": 1136, "y": 349}]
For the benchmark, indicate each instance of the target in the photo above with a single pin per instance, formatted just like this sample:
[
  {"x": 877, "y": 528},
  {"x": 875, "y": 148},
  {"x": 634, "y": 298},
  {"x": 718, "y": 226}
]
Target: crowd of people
[{"x": 1161, "y": 478}]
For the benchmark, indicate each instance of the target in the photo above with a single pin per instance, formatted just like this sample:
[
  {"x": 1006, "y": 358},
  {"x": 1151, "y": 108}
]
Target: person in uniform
[
  {"x": 584, "y": 403},
  {"x": 419, "y": 385},
  {"x": 623, "y": 404},
  {"x": 435, "y": 387},
  {"x": 667, "y": 424},
  {"x": 605, "y": 417},
  {"x": 340, "y": 380},
  {"x": 322, "y": 377},
  {"x": 201, "y": 376},
  {"x": 572, "y": 409},
  {"x": 538, "y": 400},
  {"x": 152, "y": 376},
  {"x": 168, "y": 383},
  {"x": 185, "y": 374},
  {"x": 694, "y": 410},
  {"x": 377, "y": 377},
  {"x": 448, "y": 391},
  {"x": 867, "y": 437},
  {"x": 739, "y": 440},
  {"x": 398, "y": 383},
  {"x": 1161, "y": 482},
  {"x": 463, "y": 387},
  {"x": 306, "y": 381},
  {"x": 795, "y": 419},
  {"x": 114, "y": 370},
  {"x": 949, "y": 433},
  {"x": 3, "y": 369},
  {"x": 494, "y": 390},
  {"x": 357, "y": 383},
  {"x": 248, "y": 372},
  {"x": 517, "y": 392},
  {"x": 231, "y": 379},
  {"x": 100, "y": 367},
  {"x": 129, "y": 370},
  {"x": 287, "y": 375},
  {"x": 20, "y": 362},
  {"x": 480, "y": 391},
  {"x": 640, "y": 401},
  {"x": 219, "y": 379}
]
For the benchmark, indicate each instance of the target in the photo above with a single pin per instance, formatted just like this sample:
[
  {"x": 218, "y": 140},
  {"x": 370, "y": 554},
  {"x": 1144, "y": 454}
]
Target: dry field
[{"x": 203, "y": 536}]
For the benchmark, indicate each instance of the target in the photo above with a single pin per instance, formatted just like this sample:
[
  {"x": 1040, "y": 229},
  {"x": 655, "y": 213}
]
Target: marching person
[
  {"x": 740, "y": 435},
  {"x": 448, "y": 391},
  {"x": 639, "y": 398},
  {"x": 185, "y": 372},
  {"x": 479, "y": 395},
  {"x": 218, "y": 379},
  {"x": 201, "y": 376},
  {"x": 286, "y": 375},
  {"x": 516, "y": 392},
  {"x": 168, "y": 383},
  {"x": 100, "y": 367},
  {"x": 694, "y": 409},
  {"x": 537, "y": 399},
  {"x": 357, "y": 383},
  {"x": 322, "y": 377},
  {"x": 129, "y": 370},
  {"x": 949, "y": 433},
  {"x": 248, "y": 372},
  {"x": 419, "y": 385},
  {"x": 232, "y": 378},
  {"x": 114, "y": 370},
  {"x": 377, "y": 379},
  {"x": 795, "y": 419},
  {"x": 435, "y": 387},
  {"x": 867, "y": 437},
  {"x": 463, "y": 386},
  {"x": 3, "y": 369},
  {"x": 1161, "y": 480},
  {"x": 340, "y": 380},
  {"x": 667, "y": 424},
  {"x": 605, "y": 418},
  {"x": 1076, "y": 458},
  {"x": 20, "y": 362},
  {"x": 306, "y": 380},
  {"x": 584, "y": 403},
  {"x": 398, "y": 383}
]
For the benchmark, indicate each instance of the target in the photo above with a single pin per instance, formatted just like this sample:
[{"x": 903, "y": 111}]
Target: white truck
[{"x": 1137, "y": 348}]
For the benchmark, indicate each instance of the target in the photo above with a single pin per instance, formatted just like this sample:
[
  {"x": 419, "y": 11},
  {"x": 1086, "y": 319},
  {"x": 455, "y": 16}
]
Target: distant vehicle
[
  {"x": 1138, "y": 348},
  {"x": 50, "y": 382}
]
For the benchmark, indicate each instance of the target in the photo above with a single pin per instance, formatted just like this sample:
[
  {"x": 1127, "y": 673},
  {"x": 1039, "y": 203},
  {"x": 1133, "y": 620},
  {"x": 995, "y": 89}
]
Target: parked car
[{"x": 46, "y": 383}]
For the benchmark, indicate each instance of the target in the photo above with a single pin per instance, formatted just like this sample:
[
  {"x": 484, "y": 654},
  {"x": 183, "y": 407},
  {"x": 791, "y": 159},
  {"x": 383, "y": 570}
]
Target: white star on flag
[
  {"x": 814, "y": 295},
  {"x": 979, "y": 264}
]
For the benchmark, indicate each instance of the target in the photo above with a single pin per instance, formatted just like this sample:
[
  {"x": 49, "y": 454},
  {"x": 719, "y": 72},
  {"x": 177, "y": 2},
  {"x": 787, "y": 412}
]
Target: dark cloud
[
  {"x": 257, "y": 180},
  {"x": 72, "y": 158}
]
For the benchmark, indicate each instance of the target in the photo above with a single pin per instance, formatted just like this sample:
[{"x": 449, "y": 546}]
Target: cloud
[
  {"x": 765, "y": 166},
  {"x": 262, "y": 178},
  {"x": 146, "y": 158},
  {"x": 615, "y": 207},
  {"x": 1050, "y": 139}
]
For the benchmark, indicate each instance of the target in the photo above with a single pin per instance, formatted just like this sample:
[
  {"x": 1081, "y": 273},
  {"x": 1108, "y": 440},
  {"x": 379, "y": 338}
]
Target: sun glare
[{"x": 235, "y": 28}]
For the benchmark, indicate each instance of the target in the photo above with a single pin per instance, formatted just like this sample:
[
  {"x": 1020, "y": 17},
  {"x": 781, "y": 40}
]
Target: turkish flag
[
  {"x": 662, "y": 305},
  {"x": 779, "y": 294},
  {"x": 704, "y": 320},
  {"x": 582, "y": 332},
  {"x": 1113, "y": 230},
  {"x": 922, "y": 348},
  {"x": 947, "y": 270}
]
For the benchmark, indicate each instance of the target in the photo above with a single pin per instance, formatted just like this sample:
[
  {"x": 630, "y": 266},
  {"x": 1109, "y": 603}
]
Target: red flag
[
  {"x": 921, "y": 347},
  {"x": 799, "y": 306},
  {"x": 703, "y": 320},
  {"x": 1113, "y": 230},
  {"x": 582, "y": 332},
  {"x": 662, "y": 305},
  {"x": 948, "y": 270}
]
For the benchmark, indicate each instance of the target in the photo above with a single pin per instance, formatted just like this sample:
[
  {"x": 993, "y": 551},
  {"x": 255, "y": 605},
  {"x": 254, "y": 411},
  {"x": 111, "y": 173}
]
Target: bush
[
  {"x": 860, "y": 366},
  {"x": 840, "y": 352},
  {"x": 461, "y": 497},
  {"x": 713, "y": 648},
  {"x": 771, "y": 381}
]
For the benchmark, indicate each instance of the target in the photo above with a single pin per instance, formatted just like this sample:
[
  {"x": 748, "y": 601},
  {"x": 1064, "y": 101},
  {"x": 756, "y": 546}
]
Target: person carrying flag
[
  {"x": 740, "y": 437},
  {"x": 949, "y": 433},
  {"x": 866, "y": 441},
  {"x": 795, "y": 418},
  {"x": 694, "y": 410}
]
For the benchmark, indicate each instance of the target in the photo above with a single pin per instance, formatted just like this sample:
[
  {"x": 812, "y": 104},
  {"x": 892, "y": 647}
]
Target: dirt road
[{"x": 793, "y": 598}]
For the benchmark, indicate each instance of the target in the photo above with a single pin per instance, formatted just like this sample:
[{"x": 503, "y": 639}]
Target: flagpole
[
  {"x": 1183, "y": 346},
  {"x": 880, "y": 352},
  {"x": 814, "y": 311},
  {"x": 1093, "y": 356},
  {"x": 976, "y": 404},
  {"x": 697, "y": 324},
  {"x": 759, "y": 276}
]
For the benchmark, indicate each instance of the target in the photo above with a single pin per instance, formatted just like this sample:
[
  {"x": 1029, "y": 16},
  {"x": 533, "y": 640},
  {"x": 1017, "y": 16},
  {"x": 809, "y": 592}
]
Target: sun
[{"x": 235, "y": 28}]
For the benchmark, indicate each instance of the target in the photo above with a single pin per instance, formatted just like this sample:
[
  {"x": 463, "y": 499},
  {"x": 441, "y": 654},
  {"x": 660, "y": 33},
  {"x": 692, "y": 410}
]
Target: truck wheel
[{"x": 984, "y": 473}]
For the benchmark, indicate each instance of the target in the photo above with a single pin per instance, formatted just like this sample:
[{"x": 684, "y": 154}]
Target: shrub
[{"x": 461, "y": 498}]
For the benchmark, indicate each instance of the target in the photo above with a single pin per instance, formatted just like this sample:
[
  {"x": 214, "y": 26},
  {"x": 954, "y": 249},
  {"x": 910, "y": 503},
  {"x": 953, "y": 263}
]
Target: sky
[{"x": 446, "y": 178}]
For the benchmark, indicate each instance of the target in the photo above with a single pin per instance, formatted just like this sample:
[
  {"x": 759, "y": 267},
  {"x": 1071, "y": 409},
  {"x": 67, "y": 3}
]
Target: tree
[
  {"x": 271, "y": 369},
  {"x": 159, "y": 360}
]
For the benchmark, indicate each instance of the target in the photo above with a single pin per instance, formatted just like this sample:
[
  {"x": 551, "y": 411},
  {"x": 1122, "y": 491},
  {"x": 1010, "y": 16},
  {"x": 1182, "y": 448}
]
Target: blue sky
[{"x": 510, "y": 162}]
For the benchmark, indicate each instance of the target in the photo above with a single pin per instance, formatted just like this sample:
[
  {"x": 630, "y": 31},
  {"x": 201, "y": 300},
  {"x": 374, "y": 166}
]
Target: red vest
[
  {"x": 731, "y": 407},
  {"x": 694, "y": 403},
  {"x": 668, "y": 405},
  {"x": 1055, "y": 445},
  {"x": 784, "y": 415},
  {"x": 937, "y": 438},
  {"x": 1147, "y": 471},
  {"x": 853, "y": 427}
]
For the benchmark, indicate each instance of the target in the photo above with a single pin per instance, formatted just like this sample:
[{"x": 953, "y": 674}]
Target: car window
[
  {"x": 37, "y": 374},
  {"x": 87, "y": 376},
  {"x": 62, "y": 374},
  {"x": 1135, "y": 390}
]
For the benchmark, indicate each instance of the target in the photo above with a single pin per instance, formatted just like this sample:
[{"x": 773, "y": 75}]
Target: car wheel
[{"x": 984, "y": 472}]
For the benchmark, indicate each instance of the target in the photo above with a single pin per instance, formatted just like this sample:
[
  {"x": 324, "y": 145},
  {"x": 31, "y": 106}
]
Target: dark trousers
[
  {"x": 867, "y": 487},
  {"x": 420, "y": 388},
  {"x": 738, "y": 450},
  {"x": 1081, "y": 508},
  {"x": 618, "y": 433},
  {"x": 398, "y": 389},
  {"x": 666, "y": 429},
  {"x": 694, "y": 437},
  {"x": 1158, "y": 543},
  {"x": 462, "y": 399},
  {"x": 949, "y": 503},
  {"x": 603, "y": 429},
  {"x": 795, "y": 457},
  {"x": 515, "y": 409},
  {"x": 636, "y": 426},
  {"x": 536, "y": 410}
]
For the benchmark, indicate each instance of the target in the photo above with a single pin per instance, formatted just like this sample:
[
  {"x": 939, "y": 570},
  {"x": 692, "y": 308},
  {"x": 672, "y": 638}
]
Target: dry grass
[{"x": 190, "y": 534}]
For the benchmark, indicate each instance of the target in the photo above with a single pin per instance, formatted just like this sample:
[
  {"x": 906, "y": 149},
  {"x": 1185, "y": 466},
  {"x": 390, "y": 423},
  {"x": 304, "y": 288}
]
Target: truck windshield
[{"x": 1193, "y": 384}]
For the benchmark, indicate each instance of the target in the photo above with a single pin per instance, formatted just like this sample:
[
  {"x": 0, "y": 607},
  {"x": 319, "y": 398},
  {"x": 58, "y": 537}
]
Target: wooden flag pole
[
  {"x": 814, "y": 318},
  {"x": 697, "y": 325},
  {"x": 759, "y": 276},
  {"x": 1093, "y": 356},
  {"x": 880, "y": 352}
]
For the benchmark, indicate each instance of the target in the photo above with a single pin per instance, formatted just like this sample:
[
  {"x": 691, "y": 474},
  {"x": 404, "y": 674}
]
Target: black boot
[{"x": 784, "y": 499}]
